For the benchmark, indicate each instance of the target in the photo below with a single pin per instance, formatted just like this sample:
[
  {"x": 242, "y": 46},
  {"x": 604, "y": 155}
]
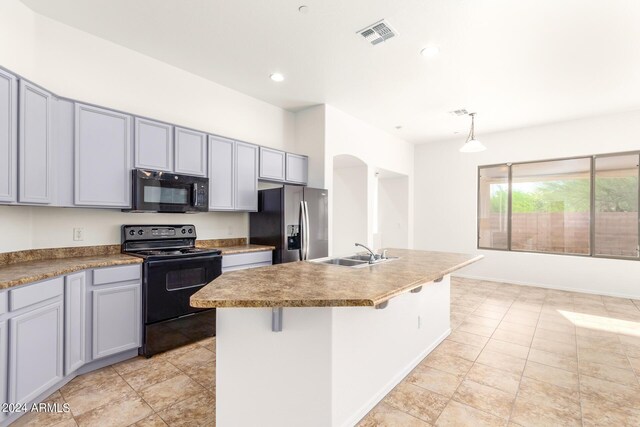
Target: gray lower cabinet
[
  {"x": 102, "y": 157},
  {"x": 8, "y": 137},
  {"x": 246, "y": 177},
  {"x": 74, "y": 321},
  {"x": 190, "y": 152},
  {"x": 153, "y": 142},
  {"x": 117, "y": 319},
  {"x": 221, "y": 174},
  {"x": 247, "y": 260},
  {"x": 297, "y": 168},
  {"x": 272, "y": 164},
  {"x": 35, "y": 351},
  {"x": 35, "y": 145}
]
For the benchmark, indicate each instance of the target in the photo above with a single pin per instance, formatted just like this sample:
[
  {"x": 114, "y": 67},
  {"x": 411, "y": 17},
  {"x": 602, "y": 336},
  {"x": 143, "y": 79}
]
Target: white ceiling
[{"x": 515, "y": 62}]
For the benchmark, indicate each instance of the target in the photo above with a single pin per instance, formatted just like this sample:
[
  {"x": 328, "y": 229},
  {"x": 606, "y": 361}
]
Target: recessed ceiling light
[
  {"x": 430, "y": 51},
  {"x": 398, "y": 127},
  {"x": 277, "y": 77},
  {"x": 303, "y": 9}
]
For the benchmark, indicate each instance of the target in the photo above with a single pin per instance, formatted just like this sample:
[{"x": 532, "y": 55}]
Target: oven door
[
  {"x": 164, "y": 192},
  {"x": 169, "y": 283}
]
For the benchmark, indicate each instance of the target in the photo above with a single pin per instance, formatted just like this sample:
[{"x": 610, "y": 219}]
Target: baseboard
[
  {"x": 547, "y": 286},
  {"x": 367, "y": 407}
]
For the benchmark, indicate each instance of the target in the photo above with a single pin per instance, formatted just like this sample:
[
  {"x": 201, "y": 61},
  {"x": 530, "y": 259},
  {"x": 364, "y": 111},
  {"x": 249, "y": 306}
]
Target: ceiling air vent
[
  {"x": 378, "y": 32},
  {"x": 460, "y": 112}
]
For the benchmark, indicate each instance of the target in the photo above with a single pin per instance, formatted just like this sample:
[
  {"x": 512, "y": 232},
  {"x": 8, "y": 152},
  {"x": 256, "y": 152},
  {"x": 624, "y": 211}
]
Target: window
[
  {"x": 581, "y": 206},
  {"x": 616, "y": 206},
  {"x": 493, "y": 208}
]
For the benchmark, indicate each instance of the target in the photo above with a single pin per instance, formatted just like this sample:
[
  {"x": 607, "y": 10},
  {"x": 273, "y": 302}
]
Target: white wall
[
  {"x": 77, "y": 65},
  {"x": 309, "y": 140},
  {"x": 393, "y": 212},
  {"x": 445, "y": 202},
  {"x": 349, "y": 209},
  {"x": 346, "y": 135},
  {"x": 44, "y": 227}
]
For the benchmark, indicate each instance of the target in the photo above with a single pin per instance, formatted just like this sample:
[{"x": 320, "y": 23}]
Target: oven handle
[{"x": 182, "y": 259}]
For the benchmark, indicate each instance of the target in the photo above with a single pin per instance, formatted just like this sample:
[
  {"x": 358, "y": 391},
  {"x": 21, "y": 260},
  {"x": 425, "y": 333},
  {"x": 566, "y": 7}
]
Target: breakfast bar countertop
[{"x": 312, "y": 284}]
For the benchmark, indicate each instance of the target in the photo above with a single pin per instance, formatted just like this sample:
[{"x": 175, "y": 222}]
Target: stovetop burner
[{"x": 159, "y": 241}]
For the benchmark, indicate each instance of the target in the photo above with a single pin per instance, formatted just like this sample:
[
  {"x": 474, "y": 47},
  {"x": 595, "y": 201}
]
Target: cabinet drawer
[
  {"x": 4, "y": 302},
  {"x": 33, "y": 294},
  {"x": 234, "y": 260},
  {"x": 116, "y": 274}
]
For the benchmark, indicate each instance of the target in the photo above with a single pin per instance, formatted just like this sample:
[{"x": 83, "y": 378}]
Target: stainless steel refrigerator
[{"x": 294, "y": 220}]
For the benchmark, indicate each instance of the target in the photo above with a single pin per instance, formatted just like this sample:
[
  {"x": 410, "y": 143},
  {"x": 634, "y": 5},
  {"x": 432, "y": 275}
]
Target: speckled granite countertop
[
  {"x": 242, "y": 249},
  {"x": 232, "y": 246},
  {"x": 21, "y": 273},
  {"x": 308, "y": 284},
  {"x": 32, "y": 265}
]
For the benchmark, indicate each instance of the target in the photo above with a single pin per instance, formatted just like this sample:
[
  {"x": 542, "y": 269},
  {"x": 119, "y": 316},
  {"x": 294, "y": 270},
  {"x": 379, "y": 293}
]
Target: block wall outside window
[{"x": 580, "y": 206}]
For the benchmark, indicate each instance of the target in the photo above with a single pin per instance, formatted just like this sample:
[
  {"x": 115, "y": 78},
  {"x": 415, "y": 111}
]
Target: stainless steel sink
[
  {"x": 355, "y": 261},
  {"x": 342, "y": 261},
  {"x": 359, "y": 257}
]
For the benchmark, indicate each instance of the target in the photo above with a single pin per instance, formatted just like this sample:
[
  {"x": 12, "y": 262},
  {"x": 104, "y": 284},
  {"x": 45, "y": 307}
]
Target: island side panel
[
  {"x": 266, "y": 378},
  {"x": 373, "y": 350}
]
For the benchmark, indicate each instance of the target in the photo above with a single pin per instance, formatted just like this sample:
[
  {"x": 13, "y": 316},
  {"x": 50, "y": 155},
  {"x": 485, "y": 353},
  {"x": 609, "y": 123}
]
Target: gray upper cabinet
[
  {"x": 35, "y": 145},
  {"x": 117, "y": 319},
  {"x": 246, "y": 177},
  {"x": 63, "y": 129},
  {"x": 74, "y": 321},
  {"x": 153, "y": 142},
  {"x": 8, "y": 137},
  {"x": 272, "y": 166},
  {"x": 190, "y": 152},
  {"x": 35, "y": 351},
  {"x": 297, "y": 168},
  {"x": 221, "y": 174},
  {"x": 102, "y": 157}
]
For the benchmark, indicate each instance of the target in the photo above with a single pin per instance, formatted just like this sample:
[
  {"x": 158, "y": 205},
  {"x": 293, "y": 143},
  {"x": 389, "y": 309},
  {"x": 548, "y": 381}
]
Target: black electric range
[{"x": 172, "y": 271}]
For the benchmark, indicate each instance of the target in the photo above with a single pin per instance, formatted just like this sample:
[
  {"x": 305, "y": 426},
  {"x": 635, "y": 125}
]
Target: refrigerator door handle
[
  {"x": 307, "y": 231},
  {"x": 302, "y": 231}
]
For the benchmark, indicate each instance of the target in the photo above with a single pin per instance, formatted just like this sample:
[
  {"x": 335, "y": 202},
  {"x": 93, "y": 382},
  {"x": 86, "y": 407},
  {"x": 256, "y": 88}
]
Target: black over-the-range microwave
[{"x": 157, "y": 191}]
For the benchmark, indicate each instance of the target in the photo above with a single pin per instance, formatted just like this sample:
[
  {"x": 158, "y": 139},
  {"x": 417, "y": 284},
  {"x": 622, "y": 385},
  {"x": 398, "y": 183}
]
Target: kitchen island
[{"x": 314, "y": 344}]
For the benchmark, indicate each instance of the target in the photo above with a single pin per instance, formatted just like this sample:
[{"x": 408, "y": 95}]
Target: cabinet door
[
  {"x": 191, "y": 152},
  {"x": 35, "y": 146},
  {"x": 63, "y": 129},
  {"x": 117, "y": 319},
  {"x": 35, "y": 352},
  {"x": 246, "y": 177},
  {"x": 74, "y": 322},
  {"x": 102, "y": 158},
  {"x": 271, "y": 164},
  {"x": 297, "y": 168},
  {"x": 153, "y": 142},
  {"x": 4, "y": 351},
  {"x": 8, "y": 137},
  {"x": 221, "y": 174}
]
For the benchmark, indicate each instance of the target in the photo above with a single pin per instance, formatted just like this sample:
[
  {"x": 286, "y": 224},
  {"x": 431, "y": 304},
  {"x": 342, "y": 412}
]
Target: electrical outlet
[{"x": 78, "y": 234}]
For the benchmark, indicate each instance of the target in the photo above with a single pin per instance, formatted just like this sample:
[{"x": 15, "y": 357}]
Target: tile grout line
[
  {"x": 474, "y": 361},
  {"x": 515, "y": 398}
]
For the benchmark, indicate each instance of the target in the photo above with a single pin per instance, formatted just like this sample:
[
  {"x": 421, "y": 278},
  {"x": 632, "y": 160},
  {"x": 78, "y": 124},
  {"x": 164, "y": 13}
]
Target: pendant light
[{"x": 472, "y": 145}]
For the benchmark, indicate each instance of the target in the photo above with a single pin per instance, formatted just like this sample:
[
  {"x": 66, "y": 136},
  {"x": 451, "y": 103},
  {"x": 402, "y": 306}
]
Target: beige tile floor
[
  {"x": 176, "y": 388},
  {"x": 525, "y": 356},
  {"x": 517, "y": 356}
]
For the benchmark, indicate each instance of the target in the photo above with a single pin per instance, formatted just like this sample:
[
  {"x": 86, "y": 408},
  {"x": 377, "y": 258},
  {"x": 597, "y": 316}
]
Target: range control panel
[{"x": 157, "y": 232}]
